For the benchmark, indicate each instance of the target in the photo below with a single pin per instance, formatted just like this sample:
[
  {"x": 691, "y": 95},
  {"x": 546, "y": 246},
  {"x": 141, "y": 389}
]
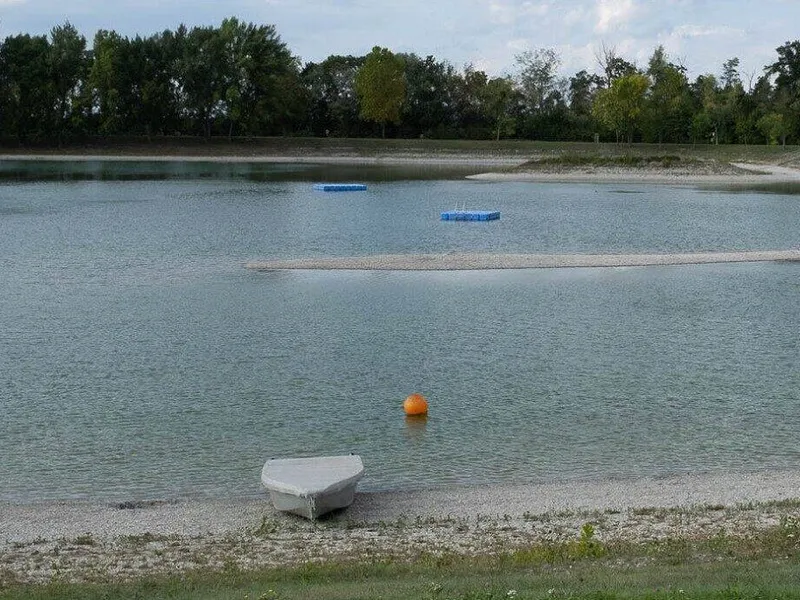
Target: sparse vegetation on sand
[{"x": 708, "y": 551}]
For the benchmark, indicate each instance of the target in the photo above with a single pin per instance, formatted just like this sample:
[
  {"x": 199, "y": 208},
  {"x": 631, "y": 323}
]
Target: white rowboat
[{"x": 311, "y": 487}]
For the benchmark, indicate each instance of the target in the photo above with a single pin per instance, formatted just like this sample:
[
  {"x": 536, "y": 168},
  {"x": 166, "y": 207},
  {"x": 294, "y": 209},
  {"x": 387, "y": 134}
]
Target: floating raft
[
  {"x": 340, "y": 187},
  {"x": 470, "y": 215}
]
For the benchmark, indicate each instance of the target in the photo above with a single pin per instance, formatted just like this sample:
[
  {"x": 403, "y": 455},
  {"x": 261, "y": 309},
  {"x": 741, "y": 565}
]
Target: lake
[{"x": 139, "y": 359}]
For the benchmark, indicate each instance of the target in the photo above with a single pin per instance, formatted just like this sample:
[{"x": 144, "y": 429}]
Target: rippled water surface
[{"x": 139, "y": 359}]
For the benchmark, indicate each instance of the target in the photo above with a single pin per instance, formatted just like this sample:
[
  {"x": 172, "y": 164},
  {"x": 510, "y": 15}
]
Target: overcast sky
[{"x": 700, "y": 34}]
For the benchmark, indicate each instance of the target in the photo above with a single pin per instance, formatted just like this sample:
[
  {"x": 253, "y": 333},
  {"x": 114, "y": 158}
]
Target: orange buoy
[{"x": 415, "y": 405}]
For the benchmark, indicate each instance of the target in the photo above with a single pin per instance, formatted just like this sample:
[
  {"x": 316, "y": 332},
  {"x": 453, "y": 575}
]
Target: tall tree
[
  {"x": 259, "y": 78},
  {"x": 498, "y": 100},
  {"x": 787, "y": 87},
  {"x": 582, "y": 89},
  {"x": 69, "y": 69},
  {"x": 621, "y": 106},
  {"x": 333, "y": 105},
  {"x": 468, "y": 104},
  {"x": 538, "y": 78},
  {"x": 713, "y": 119},
  {"x": 730, "y": 74},
  {"x": 613, "y": 65},
  {"x": 28, "y": 92},
  {"x": 381, "y": 87},
  {"x": 114, "y": 80},
  {"x": 159, "y": 107},
  {"x": 428, "y": 109},
  {"x": 543, "y": 93},
  {"x": 668, "y": 101},
  {"x": 202, "y": 76}
]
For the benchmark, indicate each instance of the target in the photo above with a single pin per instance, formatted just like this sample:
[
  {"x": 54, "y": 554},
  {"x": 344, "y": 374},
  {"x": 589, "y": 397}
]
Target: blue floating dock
[
  {"x": 340, "y": 187},
  {"x": 470, "y": 215}
]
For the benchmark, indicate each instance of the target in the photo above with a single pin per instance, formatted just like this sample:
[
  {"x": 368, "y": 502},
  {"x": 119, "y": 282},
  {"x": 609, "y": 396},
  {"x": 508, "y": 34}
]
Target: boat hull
[
  {"x": 314, "y": 486},
  {"x": 313, "y": 506}
]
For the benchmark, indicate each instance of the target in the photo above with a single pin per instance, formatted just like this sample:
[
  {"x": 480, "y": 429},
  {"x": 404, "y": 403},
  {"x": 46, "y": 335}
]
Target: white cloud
[
  {"x": 574, "y": 16},
  {"x": 692, "y": 31},
  {"x": 613, "y": 14},
  {"x": 501, "y": 13},
  {"x": 509, "y": 12},
  {"x": 535, "y": 8}
]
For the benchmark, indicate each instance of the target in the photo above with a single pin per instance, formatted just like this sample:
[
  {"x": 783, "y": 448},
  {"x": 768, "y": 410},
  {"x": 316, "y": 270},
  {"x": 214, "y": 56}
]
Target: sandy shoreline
[
  {"x": 473, "y": 261},
  {"x": 87, "y": 541},
  {"x": 742, "y": 174},
  {"x": 498, "y": 165}
]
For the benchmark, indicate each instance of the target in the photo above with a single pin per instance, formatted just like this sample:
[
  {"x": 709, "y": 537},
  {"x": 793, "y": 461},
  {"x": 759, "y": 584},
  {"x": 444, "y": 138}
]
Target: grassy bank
[
  {"x": 751, "y": 564},
  {"x": 264, "y": 147},
  {"x": 756, "y": 580}
]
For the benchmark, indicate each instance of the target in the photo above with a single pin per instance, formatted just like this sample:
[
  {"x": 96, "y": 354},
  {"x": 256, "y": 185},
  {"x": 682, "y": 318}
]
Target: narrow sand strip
[
  {"x": 473, "y": 261},
  {"x": 79, "y": 541},
  {"x": 48, "y": 520}
]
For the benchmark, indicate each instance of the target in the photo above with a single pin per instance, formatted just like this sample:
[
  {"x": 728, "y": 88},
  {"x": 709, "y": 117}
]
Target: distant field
[{"x": 264, "y": 147}]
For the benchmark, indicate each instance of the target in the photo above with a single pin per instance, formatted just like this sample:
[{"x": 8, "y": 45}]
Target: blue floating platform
[
  {"x": 340, "y": 187},
  {"x": 470, "y": 215}
]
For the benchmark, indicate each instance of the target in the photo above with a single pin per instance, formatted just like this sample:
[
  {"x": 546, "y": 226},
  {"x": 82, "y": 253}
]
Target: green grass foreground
[
  {"x": 441, "y": 579},
  {"x": 753, "y": 565}
]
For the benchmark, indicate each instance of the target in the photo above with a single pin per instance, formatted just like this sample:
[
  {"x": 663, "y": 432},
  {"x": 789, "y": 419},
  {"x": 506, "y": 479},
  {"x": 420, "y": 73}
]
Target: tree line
[{"x": 240, "y": 79}]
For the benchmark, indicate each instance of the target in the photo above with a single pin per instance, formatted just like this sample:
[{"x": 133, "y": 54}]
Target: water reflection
[
  {"x": 415, "y": 427},
  {"x": 784, "y": 187},
  {"x": 156, "y": 170}
]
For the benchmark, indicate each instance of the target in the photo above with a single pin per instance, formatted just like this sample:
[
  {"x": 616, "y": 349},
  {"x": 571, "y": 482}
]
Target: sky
[{"x": 488, "y": 34}]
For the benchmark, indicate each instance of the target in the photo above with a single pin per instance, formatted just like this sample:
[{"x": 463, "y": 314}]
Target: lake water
[{"x": 139, "y": 359}]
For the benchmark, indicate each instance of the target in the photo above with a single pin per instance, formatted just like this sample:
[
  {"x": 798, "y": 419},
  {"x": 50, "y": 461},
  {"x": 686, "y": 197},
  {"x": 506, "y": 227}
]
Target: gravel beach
[{"x": 81, "y": 541}]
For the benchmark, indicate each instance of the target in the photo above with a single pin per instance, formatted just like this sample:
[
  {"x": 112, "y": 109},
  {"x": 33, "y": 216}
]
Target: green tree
[
  {"x": 498, "y": 100},
  {"x": 428, "y": 109},
  {"x": 539, "y": 82},
  {"x": 668, "y": 100},
  {"x": 714, "y": 111},
  {"x": 69, "y": 69},
  {"x": 333, "y": 105},
  {"x": 28, "y": 93},
  {"x": 543, "y": 93},
  {"x": 621, "y": 106},
  {"x": 583, "y": 87},
  {"x": 259, "y": 79},
  {"x": 775, "y": 128},
  {"x": 201, "y": 77},
  {"x": 159, "y": 107},
  {"x": 381, "y": 87},
  {"x": 114, "y": 83},
  {"x": 786, "y": 99},
  {"x": 787, "y": 67},
  {"x": 468, "y": 104}
]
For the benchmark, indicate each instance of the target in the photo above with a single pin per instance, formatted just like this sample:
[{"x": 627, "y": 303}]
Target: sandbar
[
  {"x": 473, "y": 261},
  {"x": 736, "y": 174}
]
